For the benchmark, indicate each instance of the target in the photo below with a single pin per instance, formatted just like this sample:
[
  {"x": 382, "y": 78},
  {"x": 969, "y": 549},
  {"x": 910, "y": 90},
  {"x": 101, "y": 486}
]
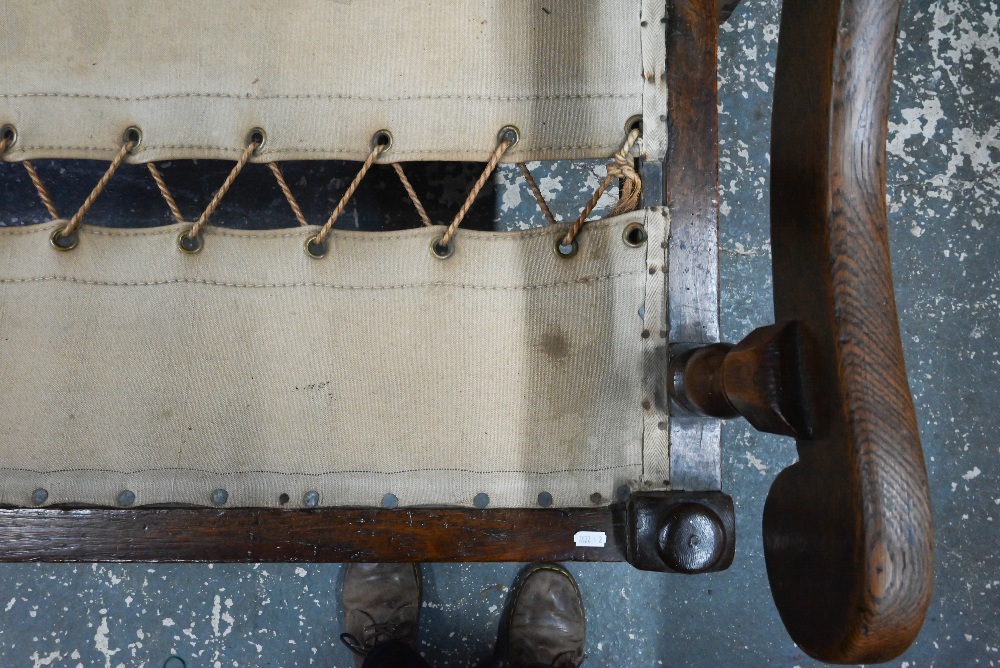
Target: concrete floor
[{"x": 944, "y": 193}]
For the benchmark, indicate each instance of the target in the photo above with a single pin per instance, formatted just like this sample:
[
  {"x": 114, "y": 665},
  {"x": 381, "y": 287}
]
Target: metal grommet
[
  {"x": 544, "y": 499},
  {"x": 257, "y": 136},
  {"x": 382, "y": 138},
  {"x": 634, "y": 123},
  {"x": 565, "y": 251},
  {"x": 311, "y": 499},
  {"x": 9, "y": 132},
  {"x": 390, "y": 500},
  {"x": 64, "y": 242},
  {"x": 220, "y": 496},
  {"x": 126, "y": 498},
  {"x": 623, "y": 493},
  {"x": 315, "y": 249},
  {"x": 634, "y": 235},
  {"x": 509, "y": 133},
  {"x": 481, "y": 500},
  {"x": 39, "y": 496},
  {"x": 189, "y": 244},
  {"x": 133, "y": 134},
  {"x": 442, "y": 251}
]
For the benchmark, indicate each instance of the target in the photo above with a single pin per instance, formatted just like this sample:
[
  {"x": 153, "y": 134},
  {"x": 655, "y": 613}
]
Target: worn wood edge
[
  {"x": 691, "y": 171},
  {"x": 691, "y": 175},
  {"x": 847, "y": 530},
  {"x": 320, "y": 535}
]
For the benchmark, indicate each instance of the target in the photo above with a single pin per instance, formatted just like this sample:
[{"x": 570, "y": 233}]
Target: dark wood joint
[
  {"x": 696, "y": 381},
  {"x": 763, "y": 378},
  {"x": 766, "y": 380},
  {"x": 681, "y": 532}
]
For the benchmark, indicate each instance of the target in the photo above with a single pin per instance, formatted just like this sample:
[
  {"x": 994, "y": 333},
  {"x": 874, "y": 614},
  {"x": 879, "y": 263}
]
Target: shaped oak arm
[{"x": 847, "y": 529}]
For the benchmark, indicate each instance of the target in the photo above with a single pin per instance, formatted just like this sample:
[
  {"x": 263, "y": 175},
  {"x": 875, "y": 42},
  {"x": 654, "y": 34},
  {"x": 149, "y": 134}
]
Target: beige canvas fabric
[
  {"x": 321, "y": 76},
  {"x": 249, "y": 367}
]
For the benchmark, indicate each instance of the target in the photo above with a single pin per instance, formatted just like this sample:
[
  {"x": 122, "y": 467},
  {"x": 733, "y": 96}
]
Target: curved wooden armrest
[{"x": 847, "y": 529}]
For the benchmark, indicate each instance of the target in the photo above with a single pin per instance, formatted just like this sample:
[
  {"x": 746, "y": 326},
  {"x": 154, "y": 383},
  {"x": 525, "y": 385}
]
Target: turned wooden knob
[
  {"x": 692, "y": 539},
  {"x": 761, "y": 378}
]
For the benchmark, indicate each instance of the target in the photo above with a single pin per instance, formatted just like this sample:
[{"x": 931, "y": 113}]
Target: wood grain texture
[
  {"x": 324, "y": 535},
  {"x": 847, "y": 529},
  {"x": 691, "y": 172},
  {"x": 691, "y": 176}
]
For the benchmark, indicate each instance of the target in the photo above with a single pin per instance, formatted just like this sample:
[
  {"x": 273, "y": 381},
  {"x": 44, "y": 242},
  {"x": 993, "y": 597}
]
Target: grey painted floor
[{"x": 944, "y": 192}]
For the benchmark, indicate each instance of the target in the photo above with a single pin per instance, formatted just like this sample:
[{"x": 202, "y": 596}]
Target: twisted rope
[
  {"x": 292, "y": 202},
  {"x": 321, "y": 236},
  {"x": 413, "y": 194},
  {"x": 498, "y": 152},
  {"x": 536, "y": 191},
  {"x": 621, "y": 167},
  {"x": 43, "y": 193},
  {"x": 165, "y": 192},
  {"x": 202, "y": 221},
  {"x": 74, "y": 222}
]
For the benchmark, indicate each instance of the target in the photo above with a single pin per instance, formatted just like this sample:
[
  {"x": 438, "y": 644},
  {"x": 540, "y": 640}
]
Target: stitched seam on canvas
[
  {"x": 332, "y": 472},
  {"x": 334, "y": 286},
  {"x": 317, "y": 96},
  {"x": 654, "y": 321},
  {"x": 25, "y": 147}
]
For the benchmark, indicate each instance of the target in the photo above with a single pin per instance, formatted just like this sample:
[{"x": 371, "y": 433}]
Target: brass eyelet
[
  {"x": 634, "y": 235},
  {"x": 509, "y": 133},
  {"x": 565, "y": 251},
  {"x": 442, "y": 251},
  {"x": 133, "y": 135},
  {"x": 257, "y": 136},
  {"x": 634, "y": 123},
  {"x": 9, "y": 132},
  {"x": 189, "y": 244},
  {"x": 315, "y": 249},
  {"x": 64, "y": 242},
  {"x": 382, "y": 138}
]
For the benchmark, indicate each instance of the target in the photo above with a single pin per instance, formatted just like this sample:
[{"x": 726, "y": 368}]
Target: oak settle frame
[{"x": 847, "y": 530}]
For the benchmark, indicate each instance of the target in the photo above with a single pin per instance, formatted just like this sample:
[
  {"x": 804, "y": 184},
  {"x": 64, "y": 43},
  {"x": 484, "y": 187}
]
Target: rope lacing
[
  {"x": 508, "y": 137},
  {"x": 194, "y": 233},
  {"x": 320, "y": 238},
  {"x": 65, "y": 238},
  {"x": 621, "y": 167},
  {"x": 537, "y": 192}
]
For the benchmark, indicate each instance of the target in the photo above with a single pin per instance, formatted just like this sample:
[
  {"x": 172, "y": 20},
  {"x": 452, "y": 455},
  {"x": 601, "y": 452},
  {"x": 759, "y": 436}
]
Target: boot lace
[{"x": 374, "y": 633}]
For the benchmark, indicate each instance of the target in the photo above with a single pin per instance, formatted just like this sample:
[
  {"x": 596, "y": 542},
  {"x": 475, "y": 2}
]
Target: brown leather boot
[
  {"x": 547, "y": 627},
  {"x": 381, "y": 604}
]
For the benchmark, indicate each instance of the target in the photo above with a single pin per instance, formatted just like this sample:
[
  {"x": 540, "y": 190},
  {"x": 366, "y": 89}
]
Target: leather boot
[
  {"x": 381, "y": 604},
  {"x": 547, "y": 627}
]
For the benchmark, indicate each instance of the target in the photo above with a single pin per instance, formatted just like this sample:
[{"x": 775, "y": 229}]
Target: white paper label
[{"x": 590, "y": 538}]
